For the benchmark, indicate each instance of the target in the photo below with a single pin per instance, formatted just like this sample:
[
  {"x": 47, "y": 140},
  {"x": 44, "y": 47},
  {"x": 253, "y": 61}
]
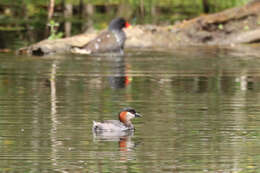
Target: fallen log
[
  {"x": 231, "y": 26},
  {"x": 238, "y": 25}
]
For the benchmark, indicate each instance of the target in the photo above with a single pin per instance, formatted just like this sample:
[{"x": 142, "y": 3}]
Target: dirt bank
[{"x": 240, "y": 25}]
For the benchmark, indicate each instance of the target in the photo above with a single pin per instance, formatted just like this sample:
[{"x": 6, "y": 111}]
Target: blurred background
[
  {"x": 200, "y": 105},
  {"x": 23, "y": 22}
]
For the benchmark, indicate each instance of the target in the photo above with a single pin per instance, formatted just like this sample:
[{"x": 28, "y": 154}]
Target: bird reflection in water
[
  {"x": 118, "y": 78},
  {"x": 126, "y": 146}
]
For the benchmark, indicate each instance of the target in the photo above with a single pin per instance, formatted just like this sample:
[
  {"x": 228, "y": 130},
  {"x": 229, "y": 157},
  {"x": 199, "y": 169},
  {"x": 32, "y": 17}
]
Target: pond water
[{"x": 200, "y": 107}]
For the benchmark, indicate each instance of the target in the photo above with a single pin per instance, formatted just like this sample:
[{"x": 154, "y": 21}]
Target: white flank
[
  {"x": 80, "y": 51},
  {"x": 96, "y": 46}
]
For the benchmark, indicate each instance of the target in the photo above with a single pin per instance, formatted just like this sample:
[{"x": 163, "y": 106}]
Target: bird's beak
[
  {"x": 127, "y": 25},
  {"x": 138, "y": 115}
]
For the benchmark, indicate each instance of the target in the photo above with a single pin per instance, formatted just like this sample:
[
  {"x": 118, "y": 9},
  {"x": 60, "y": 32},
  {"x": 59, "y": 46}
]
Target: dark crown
[{"x": 117, "y": 24}]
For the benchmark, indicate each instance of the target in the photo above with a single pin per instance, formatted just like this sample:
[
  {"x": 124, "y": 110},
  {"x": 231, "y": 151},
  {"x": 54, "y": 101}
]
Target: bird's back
[{"x": 105, "y": 42}]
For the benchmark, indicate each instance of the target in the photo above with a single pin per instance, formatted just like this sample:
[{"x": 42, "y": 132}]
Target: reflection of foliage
[{"x": 53, "y": 29}]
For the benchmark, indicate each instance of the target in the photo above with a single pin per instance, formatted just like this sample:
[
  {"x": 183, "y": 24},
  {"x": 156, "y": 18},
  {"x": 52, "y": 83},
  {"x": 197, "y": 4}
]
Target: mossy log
[{"x": 230, "y": 27}]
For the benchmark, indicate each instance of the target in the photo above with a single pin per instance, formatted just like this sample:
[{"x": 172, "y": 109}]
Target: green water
[{"x": 200, "y": 112}]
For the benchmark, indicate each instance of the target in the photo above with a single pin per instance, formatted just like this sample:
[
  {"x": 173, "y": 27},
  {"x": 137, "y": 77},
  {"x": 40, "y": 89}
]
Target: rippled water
[{"x": 200, "y": 107}]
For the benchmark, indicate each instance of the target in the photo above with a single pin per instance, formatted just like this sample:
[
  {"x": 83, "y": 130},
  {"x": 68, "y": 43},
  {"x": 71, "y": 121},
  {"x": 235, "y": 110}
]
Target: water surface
[{"x": 200, "y": 112}]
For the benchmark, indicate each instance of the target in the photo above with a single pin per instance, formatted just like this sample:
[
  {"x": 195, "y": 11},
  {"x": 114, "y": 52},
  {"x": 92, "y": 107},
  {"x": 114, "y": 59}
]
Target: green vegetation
[
  {"x": 54, "y": 34},
  {"x": 30, "y": 18},
  {"x": 220, "y": 26}
]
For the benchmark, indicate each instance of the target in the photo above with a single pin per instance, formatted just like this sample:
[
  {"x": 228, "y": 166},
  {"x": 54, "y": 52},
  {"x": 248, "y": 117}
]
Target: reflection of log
[{"x": 233, "y": 26}]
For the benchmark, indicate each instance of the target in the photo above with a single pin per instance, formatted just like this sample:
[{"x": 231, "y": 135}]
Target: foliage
[
  {"x": 31, "y": 15},
  {"x": 54, "y": 34}
]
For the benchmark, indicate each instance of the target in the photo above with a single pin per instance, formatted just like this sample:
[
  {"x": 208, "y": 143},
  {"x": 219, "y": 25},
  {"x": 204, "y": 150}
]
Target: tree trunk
[
  {"x": 231, "y": 27},
  {"x": 142, "y": 8},
  {"x": 124, "y": 10},
  {"x": 68, "y": 10},
  {"x": 50, "y": 14},
  {"x": 154, "y": 13},
  {"x": 205, "y": 4},
  {"x": 88, "y": 13}
]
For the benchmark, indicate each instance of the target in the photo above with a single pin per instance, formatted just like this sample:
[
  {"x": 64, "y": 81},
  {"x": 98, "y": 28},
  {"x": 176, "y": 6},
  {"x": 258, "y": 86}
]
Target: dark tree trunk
[{"x": 206, "y": 8}]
